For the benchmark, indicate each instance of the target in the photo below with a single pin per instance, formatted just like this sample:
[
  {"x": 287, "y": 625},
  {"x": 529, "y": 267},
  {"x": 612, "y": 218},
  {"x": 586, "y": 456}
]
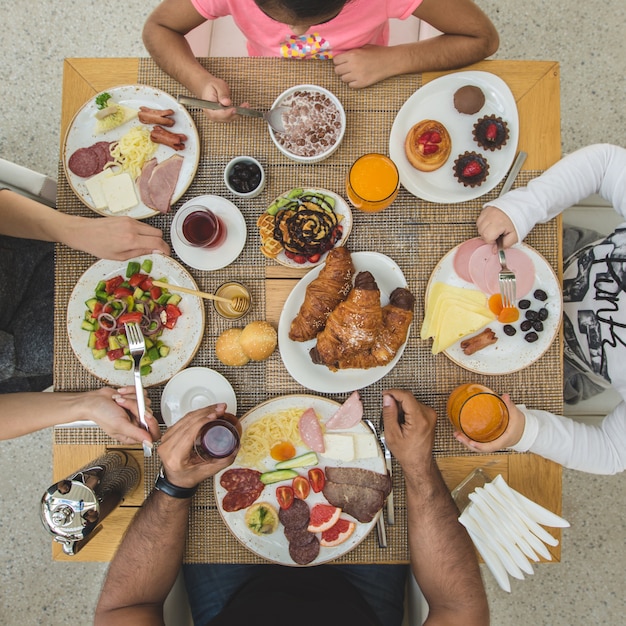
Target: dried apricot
[
  {"x": 495, "y": 304},
  {"x": 508, "y": 315},
  {"x": 282, "y": 451}
]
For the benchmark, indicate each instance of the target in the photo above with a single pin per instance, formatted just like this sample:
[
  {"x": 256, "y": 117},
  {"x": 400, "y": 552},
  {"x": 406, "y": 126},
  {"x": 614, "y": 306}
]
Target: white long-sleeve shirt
[{"x": 594, "y": 305}]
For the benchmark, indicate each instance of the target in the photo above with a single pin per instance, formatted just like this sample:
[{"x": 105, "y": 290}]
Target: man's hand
[
  {"x": 217, "y": 90},
  {"x": 362, "y": 67},
  {"x": 492, "y": 223},
  {"x": 183, "y": 466},
  {"x": 511, "y": 436},
  {"x": 118, "y": 237},
  {"x": 411, "y": 441},
  {"x": 116, "y": 413}
]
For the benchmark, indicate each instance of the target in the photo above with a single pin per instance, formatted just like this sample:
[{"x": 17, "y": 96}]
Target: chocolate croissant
[{"x": 323, "y": 294}]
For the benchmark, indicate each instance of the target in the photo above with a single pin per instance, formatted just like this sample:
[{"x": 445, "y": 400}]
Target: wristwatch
[{"x": 162, "y": 484}]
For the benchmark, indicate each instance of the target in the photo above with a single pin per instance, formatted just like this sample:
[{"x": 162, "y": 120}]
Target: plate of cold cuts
[
  {"x": 131, "y": 150},
  {"x": 467, "y": 321},
  {"x": 327, "y": 503}
]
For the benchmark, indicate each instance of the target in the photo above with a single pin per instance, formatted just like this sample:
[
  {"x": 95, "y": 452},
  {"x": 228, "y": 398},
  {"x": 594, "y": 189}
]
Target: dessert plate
[
  {"x": 435, "y": 101},
  {"x": 508, "y": 354}
]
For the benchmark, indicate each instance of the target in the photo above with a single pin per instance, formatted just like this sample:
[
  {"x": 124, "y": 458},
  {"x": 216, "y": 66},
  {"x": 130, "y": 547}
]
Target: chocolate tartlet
[
  {"x": 469, "y": 99},
  {"x": 471, "y": 169},
  {"x": 491, "y": 132}
]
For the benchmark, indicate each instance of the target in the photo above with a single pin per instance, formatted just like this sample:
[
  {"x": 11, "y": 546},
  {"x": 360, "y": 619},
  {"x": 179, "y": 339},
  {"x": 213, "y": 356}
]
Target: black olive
[
  {"x": 526, "y": 325},
  {"x": 540, "y": 294},
  {"x": 523, "y": 304},
  {"x": 531, "y": 337},
  {"x": 538, "y": 326},
  {"x": 543, "y": 314},
  {"x": 509, "y": 330},
  {"x": 531, "y": 315}
]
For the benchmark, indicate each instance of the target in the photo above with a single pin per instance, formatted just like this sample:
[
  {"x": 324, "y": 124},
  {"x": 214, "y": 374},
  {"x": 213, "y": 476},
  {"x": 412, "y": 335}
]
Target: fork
[
  {"x": 506, "y": 279},
  {"x": 380, "y": 522},
  {"x": 137, "y": 347}
]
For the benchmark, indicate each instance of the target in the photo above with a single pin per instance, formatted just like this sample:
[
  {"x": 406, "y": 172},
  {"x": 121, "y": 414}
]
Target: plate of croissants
[{"x": 345, "y": 324}]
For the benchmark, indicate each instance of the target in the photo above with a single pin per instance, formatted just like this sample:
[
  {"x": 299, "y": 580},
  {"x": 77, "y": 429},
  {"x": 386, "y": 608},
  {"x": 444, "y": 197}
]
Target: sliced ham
[
  {"x": 311, "y": 431},
  {"x": 349, "y": 414},
  {"x": 162, "y": 183},
  {"x": 143, "y": 182},
  {"x": 462, "y": 256}
]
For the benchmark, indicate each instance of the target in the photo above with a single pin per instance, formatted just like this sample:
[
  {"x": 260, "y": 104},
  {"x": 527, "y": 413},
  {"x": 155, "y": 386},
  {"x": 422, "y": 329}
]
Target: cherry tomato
[
  {"x": 284, "y": 496},
  {"x": 317, "y": 479},
  {"x": 282, "y": 451},
  {"x": 301, "y": 487}
]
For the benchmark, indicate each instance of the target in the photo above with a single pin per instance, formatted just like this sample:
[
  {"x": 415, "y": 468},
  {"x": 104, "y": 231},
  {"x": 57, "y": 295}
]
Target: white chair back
[{"x": 28, "y": 182}]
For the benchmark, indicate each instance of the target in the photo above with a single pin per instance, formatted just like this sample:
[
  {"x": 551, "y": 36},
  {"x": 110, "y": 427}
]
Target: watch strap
[{"x": 162, "y": 484}]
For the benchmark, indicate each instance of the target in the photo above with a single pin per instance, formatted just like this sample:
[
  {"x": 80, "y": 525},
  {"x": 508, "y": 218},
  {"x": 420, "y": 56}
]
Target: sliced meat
[
  {"x": 304, "y": 554},
  {"x": 143, "y": 181},
  {"x": 462, "y": 256},
  {"x": 240, "y": 478},
  {"x": 311, "y": 431},
  {"x": 516, "y": 260},
  {"x": 359, "y": 476},
  {"x": 84, "y": 162},
  {"x": 102, "y": 149},
  {"x": 361, "y": 502},
  {"x": 296, "y": 516},
  {"x": 477, "y": 264},
  {"x": 162, "y": 183},
  {"x": 240, "y": 499},
  {"x": 299, "y": 536},
  {"x": 348, "y": 414}
]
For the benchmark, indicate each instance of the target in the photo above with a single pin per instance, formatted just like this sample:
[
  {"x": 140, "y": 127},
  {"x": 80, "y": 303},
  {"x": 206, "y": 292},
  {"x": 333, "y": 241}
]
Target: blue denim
[{"x": 210, "y": 586}]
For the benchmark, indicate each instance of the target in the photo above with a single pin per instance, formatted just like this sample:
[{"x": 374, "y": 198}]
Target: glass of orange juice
[
  {"x": 373, "y": 182},
  {"x": 478, "y": 412}
]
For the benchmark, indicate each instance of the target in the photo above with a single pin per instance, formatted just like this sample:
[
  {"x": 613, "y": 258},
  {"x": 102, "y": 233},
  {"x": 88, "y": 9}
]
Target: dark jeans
[{"x": 209, "y": 587}]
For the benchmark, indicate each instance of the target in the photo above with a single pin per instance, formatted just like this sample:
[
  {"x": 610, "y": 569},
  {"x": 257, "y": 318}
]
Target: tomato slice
[
  {"x": 301, "y": 487},
  {"x": 155, "y": 293},
  {"x": 172, "y": 313},
  {"x": 115, "y": 354},
  {"x": 112, "y": 284},
  {"x": 122, "y": 292},
  {"x": 146, "y": 285},
  {"x": 317, "y": 479},
  {"x": 136, "y": 279},
  {"x": 135, "y": 316},
  {"x": 284, "y": 496},
  {"x": 97, "y": 309}
]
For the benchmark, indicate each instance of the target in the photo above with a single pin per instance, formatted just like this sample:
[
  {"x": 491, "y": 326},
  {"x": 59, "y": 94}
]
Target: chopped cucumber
[
  {"x": 153, "y": 353},
  {"x": 174, "y": 299},
  {"x": 145, "y": 370},
  {"x": 140, "y": 306},
  {"x": 99, "y": 354},
  {"x": 114, "y": 344},
  {"x": 164, "y": 350},
  {"x": 145, "y": 360},
  {"x": 132, "y": 268},
  {"x": 146, "y": 266},
  {"x": 102, "y": 295},
  {"x": 85, "y": 325},
  {"x": 163, "y": 299},
  {"x": 91, "y": 303},
  {"x": 101, "y": 286},
  {"x": 138, "y": 293},
  {"x": 304, "y": 460},
  {"x": 121, "y": 339},
  {"x": 295, "y": 193},
  {"x": 123, "y": 364},
  {"x": 267, "y": 478},
  {"x": 91, "y": 342}
]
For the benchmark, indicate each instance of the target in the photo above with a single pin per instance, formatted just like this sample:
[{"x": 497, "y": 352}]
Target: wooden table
[{"x": 535, "y": 86}]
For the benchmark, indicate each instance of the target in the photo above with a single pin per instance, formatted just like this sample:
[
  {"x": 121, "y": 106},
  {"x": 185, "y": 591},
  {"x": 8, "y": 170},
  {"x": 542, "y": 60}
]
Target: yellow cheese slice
[
  {"x": 445, "y": 303},
  {"x": 456, "y": 323},
  {"x": 119, "y": 191}
]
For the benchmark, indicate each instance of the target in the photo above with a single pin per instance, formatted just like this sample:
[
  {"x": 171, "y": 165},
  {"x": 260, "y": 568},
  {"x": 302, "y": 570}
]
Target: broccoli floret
[{"x": 102, "y": 100}]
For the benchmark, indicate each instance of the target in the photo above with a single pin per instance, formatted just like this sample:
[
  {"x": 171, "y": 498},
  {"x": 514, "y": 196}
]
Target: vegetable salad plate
[
  {"x": 181, "y": 342},
  {"x": 435, "y": 101},
  {"x": 295, "y": 354},
  {"x": 509, "y": 353},
  {"x": 274, "y": 546},
  {"x": 81, "y": 133}
]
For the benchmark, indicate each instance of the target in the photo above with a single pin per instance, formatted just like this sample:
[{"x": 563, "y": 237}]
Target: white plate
[
  {"x": 341, "y": 208},
  {"x": 80, "y": 134},
  {"x": 508, "y": 354},
  {"x": 435, "y": 101},
  {"x": 195, "y": 388},
  {"x": 275, "y": 547},
  {"x": 295, "y": 354},
  {"x": 224, "y": 254},
  {"x": 184, "y": 339}
]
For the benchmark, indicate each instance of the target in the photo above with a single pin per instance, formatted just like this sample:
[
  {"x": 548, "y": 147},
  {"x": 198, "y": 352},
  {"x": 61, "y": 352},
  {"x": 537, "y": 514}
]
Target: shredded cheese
[{"x": 133, "y": 150}]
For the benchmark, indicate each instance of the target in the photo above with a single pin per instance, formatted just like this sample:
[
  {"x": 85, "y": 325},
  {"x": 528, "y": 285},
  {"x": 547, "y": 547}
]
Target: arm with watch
[{"x": 147, "y": 562}]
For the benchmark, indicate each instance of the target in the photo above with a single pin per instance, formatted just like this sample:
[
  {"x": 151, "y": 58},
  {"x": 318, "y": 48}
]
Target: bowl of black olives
[{"x": 244, "y": 176}]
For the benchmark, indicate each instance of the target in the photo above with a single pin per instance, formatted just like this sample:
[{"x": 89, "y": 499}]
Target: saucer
[
  {"x": 195, "y": 388},
  {"x": 224, "y": 254}
]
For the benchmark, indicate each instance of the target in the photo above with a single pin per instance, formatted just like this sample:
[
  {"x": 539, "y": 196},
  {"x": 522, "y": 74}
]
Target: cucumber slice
[
  {"x": 304, "y": 460},
  {"x": 91, "y": 342},
  {"x": 132, "y": 268},
  {"x": 164, "y": 350},
  {"x": 144, "y": 370},
  {"x": 123, "y": 364},
  {"x": 85, "y": 325},
  {"x": 267, "y": 478},
  {"x": 146, "y": 266},
  {"x": 99, "y": 354},
  {"x": 91, "y": 303},
  {"x": 114, "y": 344},
  {"x": 174, "y": 299},
  {"x": 295, "y": 193}
]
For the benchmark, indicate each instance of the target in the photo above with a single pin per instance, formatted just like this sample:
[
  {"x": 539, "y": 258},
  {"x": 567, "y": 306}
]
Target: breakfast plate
[
  {"x": 295, "y": 355},
  {"x": 274, "y": 547},
  {"x": 213, "y": 258},
  {"x": 81, "y": 134},
  {"x": 183, "y": 340},
  {"x": 435, "y": 101},
  {"x": 340, "y": 208},
  {"x": 509, "y": 353},
  {"x": 194, "y": 388}
]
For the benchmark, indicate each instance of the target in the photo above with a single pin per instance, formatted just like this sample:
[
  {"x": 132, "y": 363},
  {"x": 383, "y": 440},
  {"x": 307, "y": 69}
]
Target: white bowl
[
  {"x": 320, "y": 156},
  {"x": 229, "y": 168}
]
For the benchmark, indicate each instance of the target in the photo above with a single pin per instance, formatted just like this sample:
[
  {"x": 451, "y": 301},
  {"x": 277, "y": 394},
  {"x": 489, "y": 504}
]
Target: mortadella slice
[
  {"x": 311, "y": 431},
  {"x": 349, "y": 414},
  {"x": 462, "y": 256}
]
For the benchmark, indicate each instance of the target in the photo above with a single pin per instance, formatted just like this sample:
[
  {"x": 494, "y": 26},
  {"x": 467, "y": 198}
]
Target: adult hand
[
  {"x": 362, "y": 67},
  {"x": 217, "y": 90},
  {"x": 411, "y": 441},
  {"x": 115, "y": 411},
  {"x": 492, "y": 223},
  {"x": 118, "y": 238},
  {"x": 183, "y": 466},
  {"x": 511, "y": 436}
]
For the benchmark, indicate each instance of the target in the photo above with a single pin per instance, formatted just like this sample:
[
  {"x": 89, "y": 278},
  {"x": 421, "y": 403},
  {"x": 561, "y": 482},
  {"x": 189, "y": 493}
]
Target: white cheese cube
[
  {"x": 339, "y": 447},
  {"x": 94, "y": 187},
  {"x": 119, "y": 191},
  {"x": 365, "y": 446}
]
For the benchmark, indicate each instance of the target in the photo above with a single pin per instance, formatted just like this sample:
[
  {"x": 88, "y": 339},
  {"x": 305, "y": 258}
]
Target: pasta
[
  {"x": 133, "y": 150},
  {"x": 258, "y": 438}
]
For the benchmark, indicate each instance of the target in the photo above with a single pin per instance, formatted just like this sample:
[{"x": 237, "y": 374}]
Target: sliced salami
[
  {"x": 311, "y": 431},
  {"x": 240, "y": 499},
  {"x": 240, "y": 478},
  {"x": 349, "y": 414},
  {"x": 101, "y": 148},
  {"x": 84, "y": 162}
]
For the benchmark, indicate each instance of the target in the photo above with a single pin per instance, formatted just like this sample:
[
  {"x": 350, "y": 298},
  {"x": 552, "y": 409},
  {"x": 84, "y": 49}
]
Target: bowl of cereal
[{"x": 315, "y": 123}]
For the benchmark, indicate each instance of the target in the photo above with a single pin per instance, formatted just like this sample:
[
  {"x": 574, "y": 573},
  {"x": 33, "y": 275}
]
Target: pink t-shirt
[{"x": 360, "y": 22}]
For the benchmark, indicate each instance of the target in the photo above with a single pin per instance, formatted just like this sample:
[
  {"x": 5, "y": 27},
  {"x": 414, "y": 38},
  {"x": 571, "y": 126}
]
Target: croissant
[
  {"x": 323, "y": 294},
  {"x": 397, "y": 318}
]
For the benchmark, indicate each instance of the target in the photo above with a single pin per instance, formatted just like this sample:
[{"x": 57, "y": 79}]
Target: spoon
[
  {"x": 238, "y": 303},
  {"x": 274, "y": 117}
]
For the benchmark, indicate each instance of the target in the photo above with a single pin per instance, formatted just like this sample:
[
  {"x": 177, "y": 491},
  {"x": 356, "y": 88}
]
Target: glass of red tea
[{"x": 198, "y": 226}]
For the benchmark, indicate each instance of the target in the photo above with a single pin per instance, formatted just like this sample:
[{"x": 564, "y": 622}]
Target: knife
[
  {"x": 391, "y": 519},
  {"x": 380, "y": 522},
  {"x": 517, "y": 166}
]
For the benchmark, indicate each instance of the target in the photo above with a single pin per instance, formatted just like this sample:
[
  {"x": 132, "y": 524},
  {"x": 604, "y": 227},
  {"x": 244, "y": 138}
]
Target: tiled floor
[{"x": 586, "y": 38}]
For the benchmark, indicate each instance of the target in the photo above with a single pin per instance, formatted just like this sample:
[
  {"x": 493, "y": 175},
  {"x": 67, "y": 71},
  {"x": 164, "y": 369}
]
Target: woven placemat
[{"x": 417, "y": 249}]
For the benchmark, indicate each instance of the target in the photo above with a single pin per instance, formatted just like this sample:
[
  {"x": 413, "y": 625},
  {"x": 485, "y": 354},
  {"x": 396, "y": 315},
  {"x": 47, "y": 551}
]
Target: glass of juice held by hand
[
  {"x": 373, "y": 182},
  {"x": 218, "y": 438},
  {"x": 199, "y": 227},
  {"x": 477, "y": 412}
]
